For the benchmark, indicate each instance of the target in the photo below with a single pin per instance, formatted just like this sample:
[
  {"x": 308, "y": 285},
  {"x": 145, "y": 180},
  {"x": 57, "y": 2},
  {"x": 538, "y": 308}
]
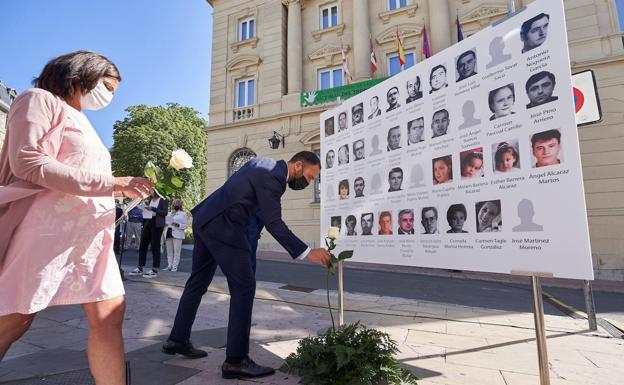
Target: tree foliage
[{"x": 151, "y": 134}]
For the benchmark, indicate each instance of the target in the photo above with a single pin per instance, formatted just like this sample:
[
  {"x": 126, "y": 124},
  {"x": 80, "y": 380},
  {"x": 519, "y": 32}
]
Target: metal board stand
[{"x": 340, "y": 293}]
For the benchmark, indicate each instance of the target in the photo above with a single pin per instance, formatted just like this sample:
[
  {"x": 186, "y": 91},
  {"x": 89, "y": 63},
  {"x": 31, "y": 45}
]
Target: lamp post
[{"x": 274, "y": 141}]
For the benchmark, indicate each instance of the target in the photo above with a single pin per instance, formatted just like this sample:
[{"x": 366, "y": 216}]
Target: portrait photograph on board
[
  {"x": 374, "y": 107},
  {"x": 406, "y": 222},
  {"x": 343, "y": 155},
  {"x": 358, "y": 186},
  {"x": 394, "y": 138},
  {"x": 437, "y": 78},
  {"x": 416, "y": 130},
  {"x": 501, "y": 101},
  {"x": 456, "y": 216},
  {"x": 329, "y": 126},
  {"x": 540, "y": 88},
  {"x": 546, "y": 148},
  {"x": 414, "y": 91},
  {"x": 466, "y": 65},
  {"x": 358, "y": 150},
  {"x": 506, "y": 156},
  {"x": 395, "y": 179},
  {"x": 534, "y": 32},
  {"x": 342, "y": 121},
  {"x": 357, "y": 114},
  {"x": 471, "y": 163},
  {"x": 440, "y": 123},
  {"x": 489, "y": 216},
  {"x": 336, "y": 221},
  {"x": 442, "y": 169},
  {"x": 343, "y": 189},
  {"x": 366, "y": 222},
  {"x": 385, "y": 223},
  {"x": 392, "y": 97},
  {"x": 429, "y": 220},
  {"x": 350, "y": 223},
  {"x": 330, "y": 156}
]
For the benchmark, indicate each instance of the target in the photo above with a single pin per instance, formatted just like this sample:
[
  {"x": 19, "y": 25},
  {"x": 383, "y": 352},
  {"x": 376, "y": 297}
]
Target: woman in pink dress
[{"x": 57, "y": 209}]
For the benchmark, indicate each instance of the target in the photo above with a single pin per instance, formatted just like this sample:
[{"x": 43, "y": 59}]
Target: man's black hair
[
  {"x": 539, "y": 76},
  {"x": 307, "y": 157},
  {"x": 546, "y": 136},
  {"x": 526, "y": 26}
]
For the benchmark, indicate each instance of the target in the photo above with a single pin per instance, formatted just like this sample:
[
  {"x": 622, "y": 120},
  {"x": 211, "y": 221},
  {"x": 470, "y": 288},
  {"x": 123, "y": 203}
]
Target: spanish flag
[{"x": 401, "y": 51}]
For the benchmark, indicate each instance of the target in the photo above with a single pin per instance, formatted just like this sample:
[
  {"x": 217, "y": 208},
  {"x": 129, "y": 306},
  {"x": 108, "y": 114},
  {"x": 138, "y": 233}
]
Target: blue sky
[
  {"x": 620, "y": 9},
  {"x": 162, "y": 48}
]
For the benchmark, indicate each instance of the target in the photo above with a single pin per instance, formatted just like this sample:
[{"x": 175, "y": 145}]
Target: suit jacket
[
  {"x": 160, "y": 213},
  {"x": 248, "y": 201}
]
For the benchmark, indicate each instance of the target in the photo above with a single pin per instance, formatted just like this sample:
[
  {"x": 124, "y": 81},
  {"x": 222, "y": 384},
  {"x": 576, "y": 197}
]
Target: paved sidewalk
[{"x": 441, "y": 343}]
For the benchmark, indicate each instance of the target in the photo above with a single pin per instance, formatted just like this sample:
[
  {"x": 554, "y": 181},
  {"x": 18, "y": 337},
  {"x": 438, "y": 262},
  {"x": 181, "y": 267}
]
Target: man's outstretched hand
[{"x": 320, "y": 256}]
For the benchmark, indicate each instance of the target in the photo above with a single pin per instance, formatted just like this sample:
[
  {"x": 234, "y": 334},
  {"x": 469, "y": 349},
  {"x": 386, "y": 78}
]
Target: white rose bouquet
[{"x": 168, "y": 181}]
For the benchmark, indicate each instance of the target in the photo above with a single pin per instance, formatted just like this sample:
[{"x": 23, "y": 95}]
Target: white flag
[{"x": 345, "y": 67}]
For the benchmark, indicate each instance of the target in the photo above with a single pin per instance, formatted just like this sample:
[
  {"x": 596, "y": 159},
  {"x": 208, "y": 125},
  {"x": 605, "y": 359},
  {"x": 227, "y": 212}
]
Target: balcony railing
[{"x": 243, "y": 113}]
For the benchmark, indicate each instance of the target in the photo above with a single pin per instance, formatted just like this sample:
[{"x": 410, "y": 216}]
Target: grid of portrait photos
[{"x": 452, "y": 146}]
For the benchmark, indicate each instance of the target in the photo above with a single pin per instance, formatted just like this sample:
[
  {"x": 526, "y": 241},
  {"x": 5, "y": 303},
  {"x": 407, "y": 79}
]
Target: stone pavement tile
[
  {"x": 59, "y": 336},
  {"x": 428, "y": 325},
  {"x": 44, "y": 362},
  {"x": 512, "y": 378},
  {"x": 436, "y": 369},
  {"x": 20, "y": 348},
  {"x": 445, "y": 340},
  {"x": 614, "y": 346},
  {"x": 602, "y": 360},
  {"x": 588, "y": 374},
  {"x": 519, "y": 361}
]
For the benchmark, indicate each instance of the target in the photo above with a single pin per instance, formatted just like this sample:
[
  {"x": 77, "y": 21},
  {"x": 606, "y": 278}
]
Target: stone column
[
  {"x": 440, "y": 25},
  {"x": 361, "y": 40},
  {"x": 294, "y": 47}
]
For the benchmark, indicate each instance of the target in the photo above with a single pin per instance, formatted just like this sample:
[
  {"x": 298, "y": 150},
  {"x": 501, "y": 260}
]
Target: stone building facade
[
  {"x": 7, "y": 95},
  {"x": 265, "y": 53}
]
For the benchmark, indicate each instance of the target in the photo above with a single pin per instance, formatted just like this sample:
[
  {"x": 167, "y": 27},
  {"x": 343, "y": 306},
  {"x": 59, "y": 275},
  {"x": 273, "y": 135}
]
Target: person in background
[
  {"x": 134, "y": 225},
  {"x": 176, "y": 222},
  {"x": 154, "y": 214},
  {"x": 56, "y": 247}
]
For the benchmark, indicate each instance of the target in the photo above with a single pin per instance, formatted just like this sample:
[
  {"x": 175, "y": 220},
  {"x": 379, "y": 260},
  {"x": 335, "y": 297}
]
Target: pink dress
[{"x": 60, "y": 249}]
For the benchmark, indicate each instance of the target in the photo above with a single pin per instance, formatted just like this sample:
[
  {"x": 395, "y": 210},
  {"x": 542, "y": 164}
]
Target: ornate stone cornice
[
  {"x": 339, "y": 29},
  {"x": 328, "y": 50},
  {"x": 410, "y": 11},
  {"x": 484, "y": 12},
  {"x": 405, "y": 30},
  {"x": 253, "y": 43},
  {"x": 243, "y": 63}
]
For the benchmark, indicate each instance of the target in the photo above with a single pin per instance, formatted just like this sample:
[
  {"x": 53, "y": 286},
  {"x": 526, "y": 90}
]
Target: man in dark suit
[
  {"x": 154, "y": 224},
  {"x": 226, "y": 228}
]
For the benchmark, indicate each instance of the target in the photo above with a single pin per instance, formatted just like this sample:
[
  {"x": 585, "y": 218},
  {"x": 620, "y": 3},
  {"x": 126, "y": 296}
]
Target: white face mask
[{"x": 97, "y": 98}]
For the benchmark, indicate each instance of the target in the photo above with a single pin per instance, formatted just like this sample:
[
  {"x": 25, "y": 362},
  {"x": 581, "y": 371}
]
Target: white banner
[{"x": 469, "y": 160}]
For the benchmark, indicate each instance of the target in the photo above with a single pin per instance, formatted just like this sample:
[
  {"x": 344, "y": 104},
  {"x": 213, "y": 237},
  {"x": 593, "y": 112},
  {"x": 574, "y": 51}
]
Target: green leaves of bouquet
[{"x": 168, "y": 181}]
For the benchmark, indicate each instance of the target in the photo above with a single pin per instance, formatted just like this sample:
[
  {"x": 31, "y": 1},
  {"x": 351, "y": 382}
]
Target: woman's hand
[{"x": 133, "y": 187}]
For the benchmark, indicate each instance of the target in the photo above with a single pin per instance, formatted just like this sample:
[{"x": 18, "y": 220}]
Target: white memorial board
[{"x": 468, "y": 160}]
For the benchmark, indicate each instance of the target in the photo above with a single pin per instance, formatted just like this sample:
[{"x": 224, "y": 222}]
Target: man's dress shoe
[
  {"x": 184, "y": 348},
  {"x": 245, "y": 369}
]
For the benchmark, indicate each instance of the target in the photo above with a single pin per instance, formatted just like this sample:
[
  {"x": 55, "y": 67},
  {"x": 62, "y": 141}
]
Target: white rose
[
  {"x": 180, "y": 159},
  {"x": 333, "y": 233}
]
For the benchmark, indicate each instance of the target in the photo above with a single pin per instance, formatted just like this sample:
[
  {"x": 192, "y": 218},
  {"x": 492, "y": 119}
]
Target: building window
[
  {"x": 330, "y": 78},
  {"x": 394, "y": 66},
  {"x": 329, "y": 16},
  {"x": 238, "y": 159},
  {"x": 246, "y": 29},
  {"x": 395, "y": 4},
  {"x": 245, "y": 89},
  {"x": 317, "y": 182}
]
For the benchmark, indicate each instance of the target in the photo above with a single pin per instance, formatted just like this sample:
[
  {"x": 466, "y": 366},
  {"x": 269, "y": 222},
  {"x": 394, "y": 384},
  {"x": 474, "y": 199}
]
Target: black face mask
[{"x": 299, "y": 182}]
